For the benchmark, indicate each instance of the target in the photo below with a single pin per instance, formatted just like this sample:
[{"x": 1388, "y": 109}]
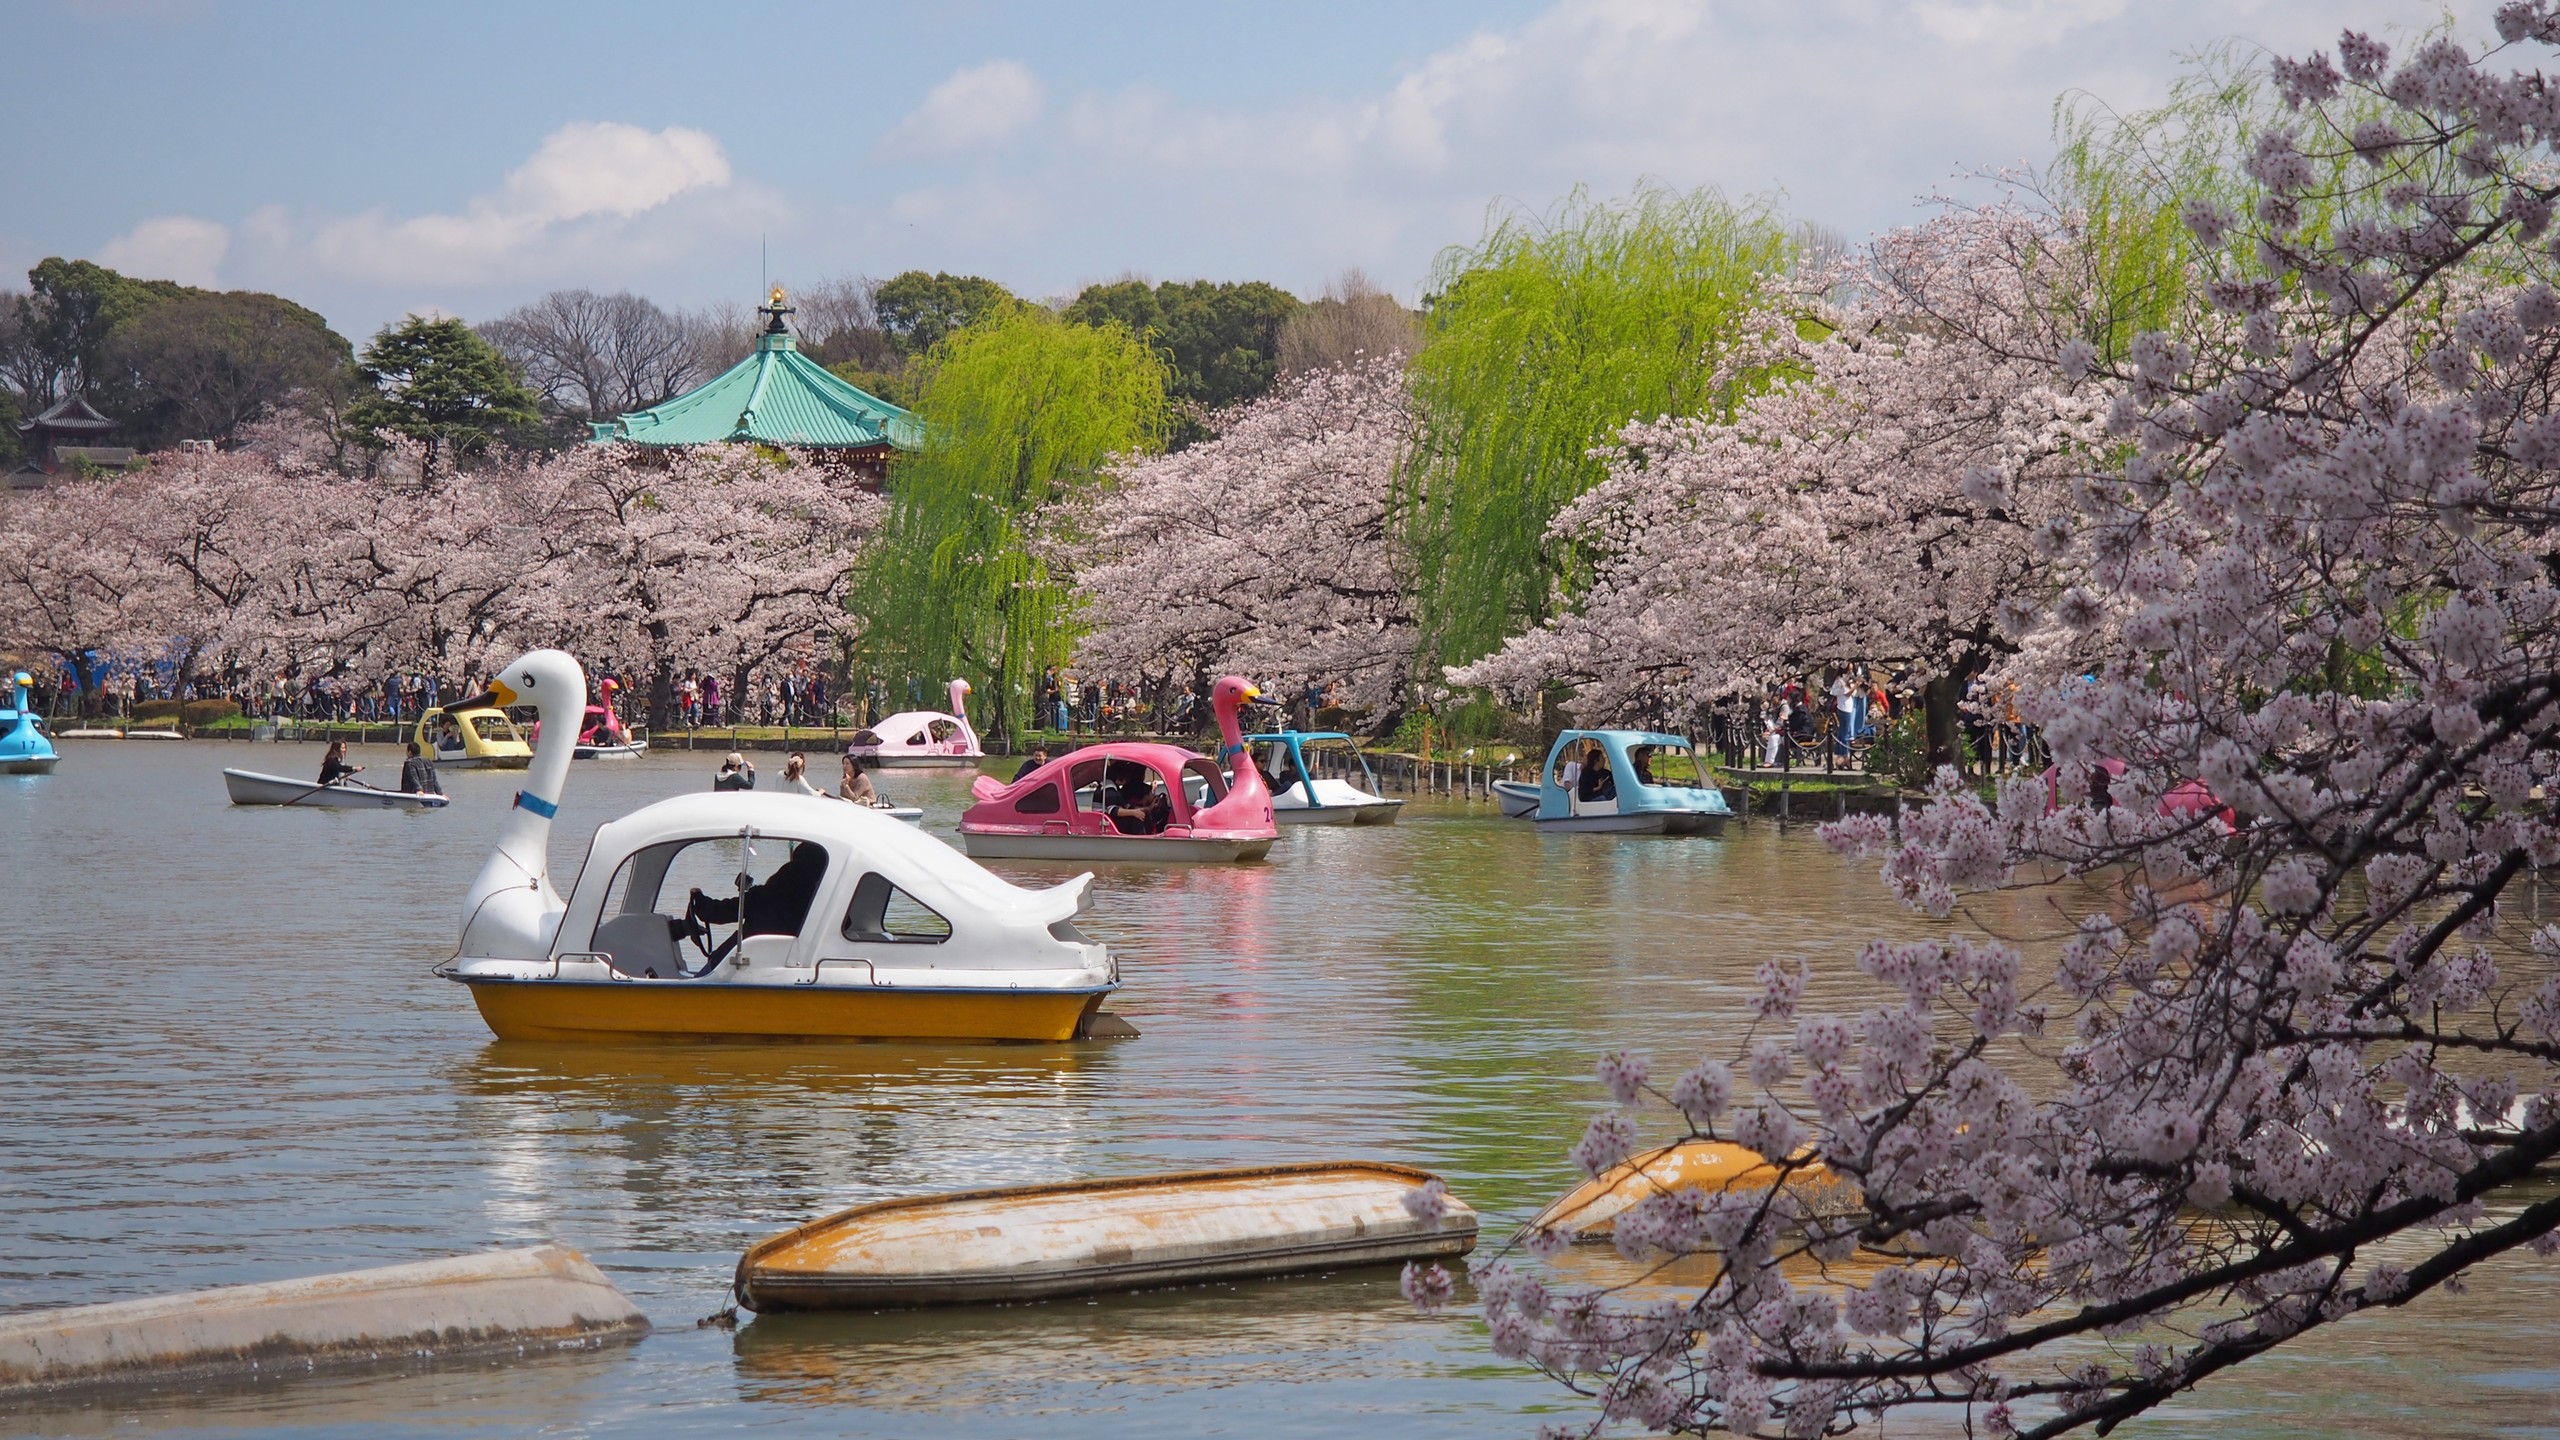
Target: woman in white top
[{"x": 795, "y": 776}]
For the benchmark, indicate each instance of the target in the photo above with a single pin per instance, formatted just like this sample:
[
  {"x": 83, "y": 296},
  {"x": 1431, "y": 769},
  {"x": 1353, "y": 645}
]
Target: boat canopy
[
  {"x": 882, "y": 883},
  {"x": 1300, "y": 776}
]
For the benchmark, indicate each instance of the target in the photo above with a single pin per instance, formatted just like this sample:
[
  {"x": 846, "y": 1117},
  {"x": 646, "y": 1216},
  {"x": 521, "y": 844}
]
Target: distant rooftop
[{"x": 776, "y": 396}]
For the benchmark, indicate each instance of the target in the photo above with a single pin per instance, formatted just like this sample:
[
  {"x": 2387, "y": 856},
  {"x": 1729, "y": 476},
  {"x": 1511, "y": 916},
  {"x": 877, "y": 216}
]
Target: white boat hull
[
  {"x": 1123, "y": 849},
  {"x": 1518, "y": 801},
  {"x": 248, "y": 787},
  {"x": 483, "y": 762},
  {"x": 1376, "y": 812},
  {"x": 629, "y": 750},
  {"x": 1643, "y": 822}
]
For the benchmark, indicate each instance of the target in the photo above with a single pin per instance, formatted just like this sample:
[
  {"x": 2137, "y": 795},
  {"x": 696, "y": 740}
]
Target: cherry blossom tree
[
  {"x": 77, "y": 583},
  {"x": 1876, "y": 506},
  {"x": 2297, "y": 1055},
  {"x": 1266, "y": 549}
]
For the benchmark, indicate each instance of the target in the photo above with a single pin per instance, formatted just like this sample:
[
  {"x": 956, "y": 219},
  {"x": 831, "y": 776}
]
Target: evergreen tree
[{"x": 438, "y": 383}]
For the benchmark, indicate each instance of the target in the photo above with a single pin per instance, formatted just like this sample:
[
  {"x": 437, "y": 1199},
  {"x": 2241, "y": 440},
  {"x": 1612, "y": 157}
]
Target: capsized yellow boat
[
  {"x": 1590, "y": 1210},
  {"x": 1078, "y": 1237},
  {"x": 473, "y": 735},
  {"x": 733, "y": 915}
]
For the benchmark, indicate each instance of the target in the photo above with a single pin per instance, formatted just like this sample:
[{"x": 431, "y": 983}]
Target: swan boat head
[{"x": 512, "y": 909}]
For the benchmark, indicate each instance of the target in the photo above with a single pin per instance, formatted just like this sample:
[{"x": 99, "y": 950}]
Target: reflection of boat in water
[
  {"x": 473, "y": 735},
  {"x": 1625, "y": 782},
  {"x": 1301, "y": 797},
  {"x": 1207, "y": 1340},
  {"x": 24, "y": 747},
  {"x": 1080, "y": 1237},
  {"x": 843, "y": 924},
  {"x": 248, "y": 787},
  {"x": 1125, "y": 801},
  {"x": 922, "y": 739}
]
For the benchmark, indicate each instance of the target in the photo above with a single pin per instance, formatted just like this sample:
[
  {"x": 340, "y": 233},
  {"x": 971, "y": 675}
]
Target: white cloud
[
  {"x": 983, "y": 105},
  {"x": 169, "y": 247},
  {"x": 580, "y": 193}
]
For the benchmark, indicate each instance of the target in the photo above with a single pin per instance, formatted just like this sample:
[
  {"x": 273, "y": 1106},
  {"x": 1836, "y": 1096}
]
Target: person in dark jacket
[
  {"x": 1038, "y": 757},
  {"x": 734, "y": 774},
  {"x": 418, "y": 774},
  {"x": 333, "y": 764},
  {"x": 775, "y": 907}
]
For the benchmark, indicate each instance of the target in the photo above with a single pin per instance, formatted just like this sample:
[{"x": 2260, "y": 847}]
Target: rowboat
[
  {"x": 922, "y": 739},
  {"x": 1127, "y": 801},
  {"x": 1590, "y": 1210},
  {"x": 1623, "y": 782},
  {"x": 842, "y": 923},
  {"x": 1032, "y": 1242},
  {"x": 24, "y": 747},
  {"x": 1300, "y": 797},
  {"x": 248, "y": 787}
]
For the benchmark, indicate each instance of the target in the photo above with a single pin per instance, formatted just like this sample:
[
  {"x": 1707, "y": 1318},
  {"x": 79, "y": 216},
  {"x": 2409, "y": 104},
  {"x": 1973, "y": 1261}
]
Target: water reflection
[{"x": 229, "y": 1063}]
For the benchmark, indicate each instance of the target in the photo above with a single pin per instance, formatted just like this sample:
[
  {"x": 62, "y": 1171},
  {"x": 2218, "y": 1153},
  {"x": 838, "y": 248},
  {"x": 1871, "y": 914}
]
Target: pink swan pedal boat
[
  {"x": 601, "y": 733},
  {"x": 1129, "y": 801},
  {"x": 922, "y": 739}
]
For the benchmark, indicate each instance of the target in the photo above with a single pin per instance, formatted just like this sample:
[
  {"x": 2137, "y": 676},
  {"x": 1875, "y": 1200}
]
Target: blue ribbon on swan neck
[{"x": 547, "y": 809}]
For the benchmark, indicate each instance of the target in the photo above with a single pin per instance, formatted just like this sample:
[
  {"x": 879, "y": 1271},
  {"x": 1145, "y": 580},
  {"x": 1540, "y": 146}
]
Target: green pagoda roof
[{"x": 777, "y": 396}]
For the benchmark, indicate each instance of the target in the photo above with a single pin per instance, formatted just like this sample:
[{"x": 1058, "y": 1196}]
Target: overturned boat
[
  {"x": 747, "y": 915},
  {"x": 248, "y": 787},
  {"x": 1078, "y": 1237}
]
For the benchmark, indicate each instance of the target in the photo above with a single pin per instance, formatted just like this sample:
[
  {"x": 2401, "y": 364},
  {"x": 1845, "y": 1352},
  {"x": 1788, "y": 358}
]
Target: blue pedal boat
[
  {"x": 1301, "y": 797},
  {"x": 1622, "y": 782},
  {"x": 24, "y": 747}
]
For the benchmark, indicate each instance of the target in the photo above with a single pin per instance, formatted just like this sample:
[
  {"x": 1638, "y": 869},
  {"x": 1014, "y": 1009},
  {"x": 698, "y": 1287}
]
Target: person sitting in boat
[
  {"x": 333, "y": 764},
  {"x": 795, "y": 776},
  {"x": 1283, "y": 773},
  {"x": 449, "y": 736},
  {"x": 856, "y": 785},
  {"x": 418, "y": 774},
  {"x": 1038, "y": 757},
  {"x": 778, "y": 906},
  {"x": 1137, "y": 804},
  {"x": 1597, "y": 783},
  {"x": 734, "y": 774}
]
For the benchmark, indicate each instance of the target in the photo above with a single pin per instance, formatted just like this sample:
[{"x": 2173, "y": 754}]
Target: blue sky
[{"x": 370, "y": 159}]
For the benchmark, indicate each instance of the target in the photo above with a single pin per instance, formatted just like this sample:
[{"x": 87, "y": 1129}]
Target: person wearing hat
[{"x": 735, "y": 774}]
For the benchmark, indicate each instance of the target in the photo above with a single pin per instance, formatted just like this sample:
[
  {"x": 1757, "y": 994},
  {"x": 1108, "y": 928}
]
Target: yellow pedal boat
[
  {"x": 738, "y": 915},
  {"x": 472, "y": 736}
]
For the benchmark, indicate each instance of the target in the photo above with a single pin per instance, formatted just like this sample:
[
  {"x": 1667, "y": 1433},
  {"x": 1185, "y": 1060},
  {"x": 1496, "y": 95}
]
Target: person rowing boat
[{"x": 334, "y": 769}]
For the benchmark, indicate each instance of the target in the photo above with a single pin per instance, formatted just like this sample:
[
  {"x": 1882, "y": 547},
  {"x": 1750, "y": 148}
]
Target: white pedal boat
[
  {"x": 842, "y": 922},
  {"x": 1301, "y": 797},
  {"x": 1084, "y": 1236},
  {"x": 627, "y": 750},
  {"x": 248, "y": 787}
]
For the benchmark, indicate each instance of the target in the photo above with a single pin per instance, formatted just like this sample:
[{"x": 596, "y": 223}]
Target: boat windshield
[
  {"x": 1675, "y": 766},
  {"x": 494, "y": 728}
]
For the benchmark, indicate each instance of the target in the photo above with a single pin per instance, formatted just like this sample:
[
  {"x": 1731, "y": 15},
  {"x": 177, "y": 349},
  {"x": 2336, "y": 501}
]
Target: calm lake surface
[{"x": 225, "y": 1061}]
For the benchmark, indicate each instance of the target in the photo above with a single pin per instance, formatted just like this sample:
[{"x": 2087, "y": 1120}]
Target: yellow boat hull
[{"x": 536, "y": 1010}]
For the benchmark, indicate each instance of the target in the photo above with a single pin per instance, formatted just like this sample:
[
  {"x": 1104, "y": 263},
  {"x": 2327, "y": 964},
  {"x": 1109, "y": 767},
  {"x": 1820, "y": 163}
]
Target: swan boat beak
[{"x": 500, "y": 695}]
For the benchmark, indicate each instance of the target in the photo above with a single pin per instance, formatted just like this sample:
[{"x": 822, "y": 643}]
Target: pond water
[{"x": 226, "y": 1061}]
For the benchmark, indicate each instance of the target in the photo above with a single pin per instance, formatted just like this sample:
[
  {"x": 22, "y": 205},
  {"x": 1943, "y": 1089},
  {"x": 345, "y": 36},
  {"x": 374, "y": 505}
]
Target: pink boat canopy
[
  {"x": 1131, "y": 801},
  {"x": 922, "y": 737}
]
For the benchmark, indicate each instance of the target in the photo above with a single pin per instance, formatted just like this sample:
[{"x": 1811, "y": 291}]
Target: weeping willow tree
[
  {"x": 1542, "y": 340},
  {"x": 1021, "y": 408}
]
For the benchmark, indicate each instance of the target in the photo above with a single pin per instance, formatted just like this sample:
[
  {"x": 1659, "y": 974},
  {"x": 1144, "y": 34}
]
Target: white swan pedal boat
[
  {"x": 1084, "y": 1236},
  {"x": 248, "y": 787},
  {"x": 746, "y": 915}
]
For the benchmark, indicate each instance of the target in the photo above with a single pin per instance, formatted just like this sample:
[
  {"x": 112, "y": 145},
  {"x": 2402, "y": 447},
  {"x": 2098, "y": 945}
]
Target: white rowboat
[
  {"x": 248, "y": 787},
  {"x": 1035, "y": 1241}
]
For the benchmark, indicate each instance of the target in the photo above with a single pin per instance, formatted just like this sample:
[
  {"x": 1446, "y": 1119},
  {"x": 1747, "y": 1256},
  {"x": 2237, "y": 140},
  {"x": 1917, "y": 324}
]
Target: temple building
[
  {"x": 777, "y": 396},
  {"x": 65, "y": 437}
]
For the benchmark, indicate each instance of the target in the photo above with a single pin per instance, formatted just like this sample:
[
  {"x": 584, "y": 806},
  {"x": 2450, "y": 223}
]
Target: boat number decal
[{"x": 535, "y": 803}]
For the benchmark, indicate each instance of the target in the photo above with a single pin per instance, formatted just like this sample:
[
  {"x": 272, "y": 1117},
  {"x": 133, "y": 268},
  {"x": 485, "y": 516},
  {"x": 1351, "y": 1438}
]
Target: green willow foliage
[
  {"x": 1543, "y": 339},
  {"x": 1021, "y": 409}
]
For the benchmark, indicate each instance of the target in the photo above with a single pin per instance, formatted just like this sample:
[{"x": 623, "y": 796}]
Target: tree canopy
[
  {"x": 1542, "y": 339},
  {"x": 436, "y": 382},
  {"x": 1023, "y": 411},
  {"x": 1219, "y": 341},
  {"x": 918, "y": 310}
]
